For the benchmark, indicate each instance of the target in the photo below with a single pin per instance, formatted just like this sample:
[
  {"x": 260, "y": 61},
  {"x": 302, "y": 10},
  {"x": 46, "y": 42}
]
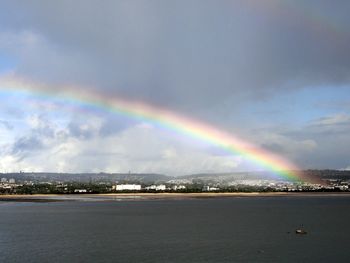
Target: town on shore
[{"x": 104, "y": 183}]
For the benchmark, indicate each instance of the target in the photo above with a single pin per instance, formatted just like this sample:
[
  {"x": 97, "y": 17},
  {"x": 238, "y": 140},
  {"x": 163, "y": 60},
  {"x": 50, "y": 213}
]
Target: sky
[{"x": 274, "y": 73}]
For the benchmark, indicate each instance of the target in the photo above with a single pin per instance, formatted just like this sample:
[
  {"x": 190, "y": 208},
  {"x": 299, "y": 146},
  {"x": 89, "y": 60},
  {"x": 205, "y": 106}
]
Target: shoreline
[{"x": 158, "y": 196}]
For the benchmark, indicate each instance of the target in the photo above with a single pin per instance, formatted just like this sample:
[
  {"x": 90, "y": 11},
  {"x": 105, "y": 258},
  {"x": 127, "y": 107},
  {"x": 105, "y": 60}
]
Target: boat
[{"x": 300, "y": 231}]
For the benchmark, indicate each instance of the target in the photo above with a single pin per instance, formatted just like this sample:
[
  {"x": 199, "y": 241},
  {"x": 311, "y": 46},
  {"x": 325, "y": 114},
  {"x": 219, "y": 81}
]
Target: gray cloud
[
  {"x": 187, "y": 53},
  {"x": 207, "y": 59},
  {"x": 27, "y": 145},
  {"x": 6, "y": 124},
  {"x": 114, "y": 124},
  {"x": 322, "y": 143},
  {"x": 105, "y": 125},
  {"x": 41, "y": 130},
  {"x": 80, "y": 130}
]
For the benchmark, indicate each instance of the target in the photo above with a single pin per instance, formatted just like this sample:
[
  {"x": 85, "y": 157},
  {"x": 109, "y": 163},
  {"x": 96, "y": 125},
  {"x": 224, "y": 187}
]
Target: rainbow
[{"x": 160, "y": 116}]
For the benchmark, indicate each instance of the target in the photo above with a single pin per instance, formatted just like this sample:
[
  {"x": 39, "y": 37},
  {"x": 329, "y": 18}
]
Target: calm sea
[{"x": 239, "y": 229}]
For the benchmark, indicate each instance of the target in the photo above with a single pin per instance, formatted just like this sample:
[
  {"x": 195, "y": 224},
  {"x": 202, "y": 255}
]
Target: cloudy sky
[{"x": 275, "y": 73}]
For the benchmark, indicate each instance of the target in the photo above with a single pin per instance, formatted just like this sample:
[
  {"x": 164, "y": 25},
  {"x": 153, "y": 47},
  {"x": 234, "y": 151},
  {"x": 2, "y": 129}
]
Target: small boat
[{"x": 300, "y": 232}]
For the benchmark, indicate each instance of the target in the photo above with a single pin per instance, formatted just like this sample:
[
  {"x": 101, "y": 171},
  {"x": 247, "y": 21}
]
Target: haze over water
[{"x": 240, "y": 229}]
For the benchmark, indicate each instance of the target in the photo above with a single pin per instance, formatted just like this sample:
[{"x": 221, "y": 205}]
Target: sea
[{"x": 221, "y": 229}]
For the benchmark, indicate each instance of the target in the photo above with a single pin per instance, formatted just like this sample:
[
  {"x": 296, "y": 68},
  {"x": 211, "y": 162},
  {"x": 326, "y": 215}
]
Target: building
[
  {"x": 179, "y": 187},
  {"x": 12, "y": 181},
  {"x": 161, "y": 187},
  {"x": 128, "y": 187},
  {"x": 3, "y": 180},
  {"x": 80, "y": 191},
  {"x": 209, "y": 188}
]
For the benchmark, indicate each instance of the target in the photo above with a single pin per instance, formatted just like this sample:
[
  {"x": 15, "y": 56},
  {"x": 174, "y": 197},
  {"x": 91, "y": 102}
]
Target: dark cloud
[
  {"x": 204, "y": 58},
  {"x": 185, "y": 54}
]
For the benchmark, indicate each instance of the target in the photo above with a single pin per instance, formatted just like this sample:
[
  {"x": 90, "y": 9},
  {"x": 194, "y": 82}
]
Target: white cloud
[
  {"x": 141, "y": 148},
  {"x": 286, "y": 146},
  {"x": 332, "y": 120}
]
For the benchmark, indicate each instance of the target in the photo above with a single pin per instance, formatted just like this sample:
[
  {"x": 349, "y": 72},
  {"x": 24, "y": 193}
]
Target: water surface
[{"x": 236, "y": 229}]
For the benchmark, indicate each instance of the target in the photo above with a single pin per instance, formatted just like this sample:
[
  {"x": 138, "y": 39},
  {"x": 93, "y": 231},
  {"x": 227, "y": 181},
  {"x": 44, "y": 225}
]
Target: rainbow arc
[{"x": 160, "y": 116}]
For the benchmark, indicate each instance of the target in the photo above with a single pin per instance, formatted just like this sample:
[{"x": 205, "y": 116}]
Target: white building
[
  {"x": 80, "y": 191},
  {"x": 161, "y": 187},
  {"x": 209, "y": 188},
  {"x": 3, "y": 180},
  {"x": 179, "y": 187},
  {"x": 12, "y": 181},
  {"x": 128, "y": 187}
]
